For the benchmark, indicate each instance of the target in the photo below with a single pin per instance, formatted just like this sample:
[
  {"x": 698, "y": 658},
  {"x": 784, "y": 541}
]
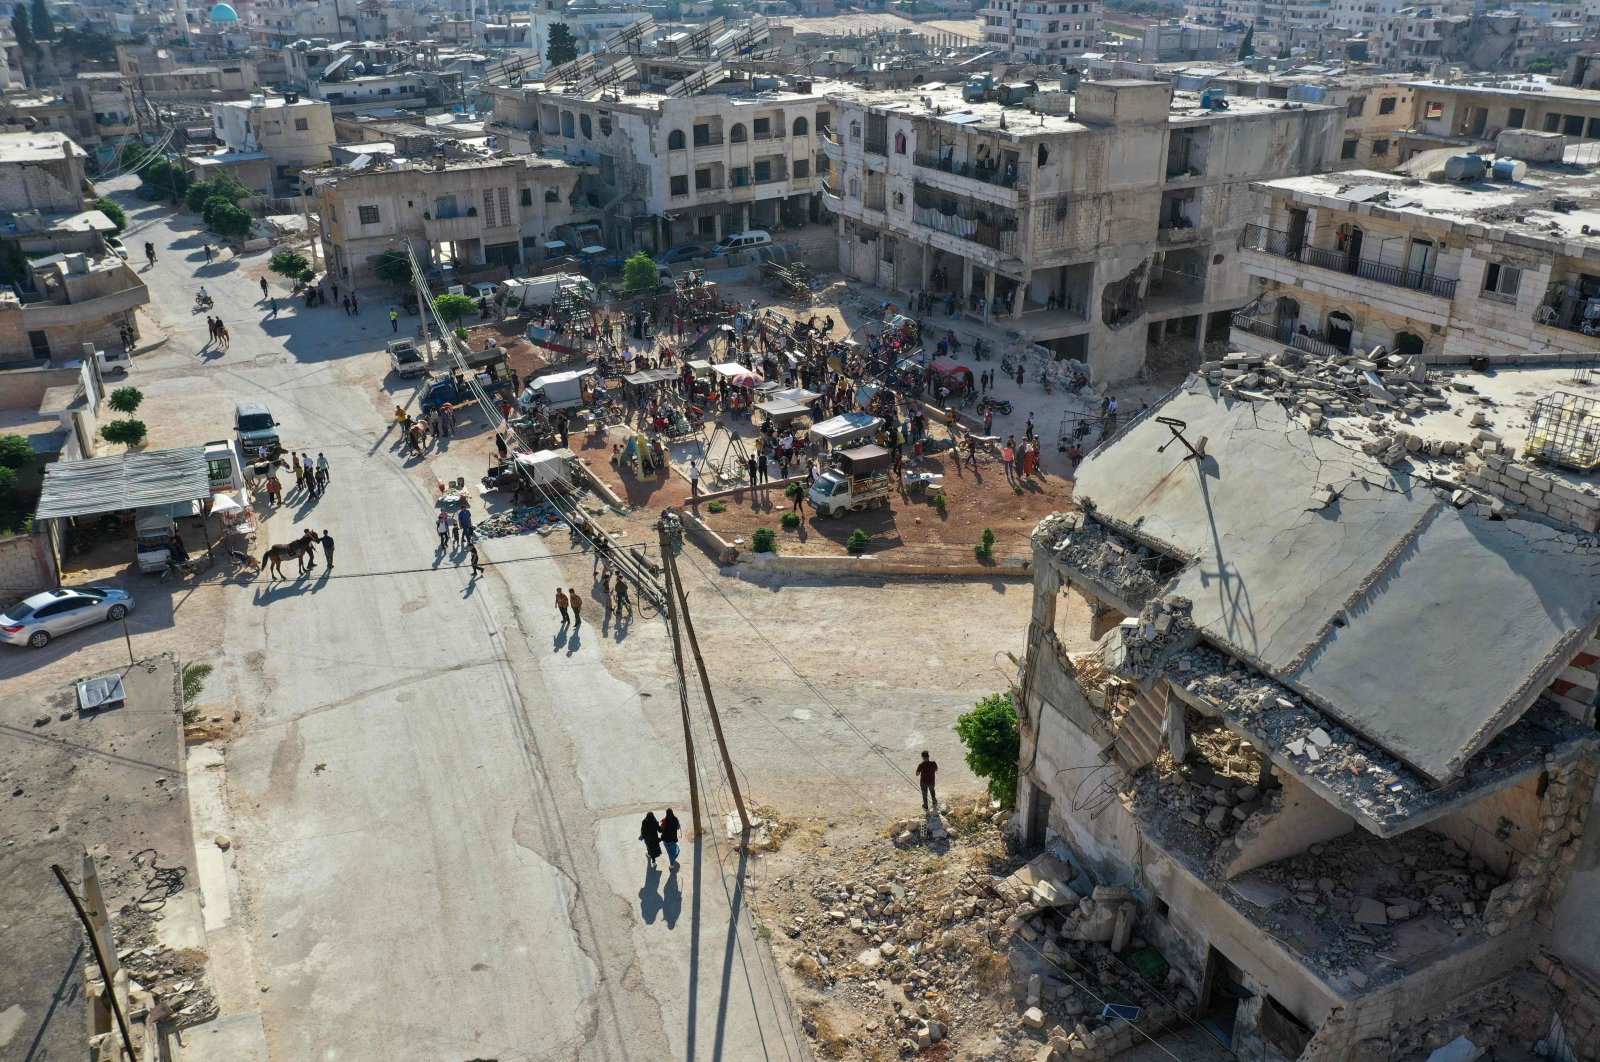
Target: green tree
[
  {"x": 1247, "y": 47},
  {"x": 126, "y": 399},
  {"x": 127, "y": 432},
  {"x": 290, "y": 264},
  {"x": 223, "y": 186},
  {"x": 989, "y": 732},
  {"x": 118, "y": 216},
  {"x": 44, "y": 27},
  {"x": 640, "y": 275},
  {"x": 453, "y": 307},
  {"x": 393, "y": 267},
  {"x": 83, "y": 42},
  {"x": 228, "y": 221},
  {"x": 15, "y": 452},
  {"x": 563, "y": 47},
  {"x": 22, "y": 29}
]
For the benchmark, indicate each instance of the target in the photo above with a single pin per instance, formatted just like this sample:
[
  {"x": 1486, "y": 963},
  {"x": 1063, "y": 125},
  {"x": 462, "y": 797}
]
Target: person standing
[
  {"x": 274, "y": 489},
  {"x": 208, "y": 254},
  {"x": 694, "y": 481},
  {"x": 472, "y": 555},
  {"x": 650, "y": 834},
  {"x": 310, "y": 468},
  {"x": 443, "y": 527},
  {"x": 464, "y": 519},
  {"x": 561, "y": 606},
  {"x": 751, "y": 465},
  {"x": 263, "y": 287},
  {"x": 500, "y": 444},
  {"x": 355, "y": 306},
  {"x": 394, "y": 320},
  {"x": 294, "y": 465},
  {"x": 925, "y": 775},
  {"x": 327, "y": 548},
  {"x": 577, "y": 606},
  {"x": 670, "y": 826},
  {"x": 273, "y": 302},
  {"x": 1007, "y": 456},
  {"x": 346, "y": 304},
  {"x": 322, "y": 470}
]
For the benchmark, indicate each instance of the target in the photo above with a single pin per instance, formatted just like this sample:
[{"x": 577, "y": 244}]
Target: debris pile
[
  {"x": 1137, "y": 646},
  {"x": 175, "y": 980},
  {"x": 1198, "y": 804},
  {"x": 1322, "y": 387},
  {"x": 1127, "y": 570}
]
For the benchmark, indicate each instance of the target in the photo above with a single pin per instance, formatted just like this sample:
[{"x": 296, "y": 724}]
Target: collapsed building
[{"x": 1335, "y": 731}]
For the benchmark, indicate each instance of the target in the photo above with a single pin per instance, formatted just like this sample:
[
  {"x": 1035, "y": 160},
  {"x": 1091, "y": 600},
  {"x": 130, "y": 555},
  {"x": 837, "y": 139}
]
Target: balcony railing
[
  {"x": 1287, "y": 335},
  {"x": 1275, "y": 242},
  {"x": 1005, "y": 177},
  {"x": 1567, "y": 313},
  {"x": 876, "y": 145}
]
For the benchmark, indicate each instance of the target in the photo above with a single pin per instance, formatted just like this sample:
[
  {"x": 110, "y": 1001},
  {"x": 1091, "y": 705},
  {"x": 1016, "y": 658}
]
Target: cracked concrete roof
[{"x": 1424, "y": 629}]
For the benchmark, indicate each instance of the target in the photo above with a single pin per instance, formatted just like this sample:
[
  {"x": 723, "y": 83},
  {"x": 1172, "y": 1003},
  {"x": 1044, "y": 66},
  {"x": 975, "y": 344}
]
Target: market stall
[{"x": 847, "y": 428}]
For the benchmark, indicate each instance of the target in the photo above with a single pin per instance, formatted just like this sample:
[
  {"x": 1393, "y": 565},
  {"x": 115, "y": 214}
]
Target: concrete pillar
[
  {"x": 1019, "y": 300},
  {"x": 988, "y": 294},
  {"x": 966, "y": 283},
  {"x": 1046, "y": 591},
  {"x": 744, "y": 218},
  {"x": 716, "y": 226},
  {"x": 927, "y": 265},
  {"x": 1177, "y": 728}
]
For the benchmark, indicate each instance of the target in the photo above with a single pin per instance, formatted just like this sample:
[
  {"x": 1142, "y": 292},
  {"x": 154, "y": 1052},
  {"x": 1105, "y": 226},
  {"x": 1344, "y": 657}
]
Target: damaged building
[{"x": 1330, "y": 728}]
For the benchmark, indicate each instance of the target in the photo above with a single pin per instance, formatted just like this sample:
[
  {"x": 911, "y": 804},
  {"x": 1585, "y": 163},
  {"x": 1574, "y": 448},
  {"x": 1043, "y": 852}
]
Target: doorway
[
  {"x": 1352, "y": 250},
  {"x": 1038, "y": 817},
  {"x": 1297, "y": 231},
  {"x": 1419, "y": 262},
  {"x": 1222, "y": 990},
  {"x": 1341, "y": 328}
]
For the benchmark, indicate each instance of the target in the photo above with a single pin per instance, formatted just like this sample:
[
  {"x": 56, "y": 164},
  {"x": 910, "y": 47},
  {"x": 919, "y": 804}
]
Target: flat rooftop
[
  {"x": 36, "y": 146},
  {"x": 652, "y": 98},
  {"x": 1527, "y": 209},
  {"x": 1518, "y": 85},
  {"x": 271, "y": 103}
]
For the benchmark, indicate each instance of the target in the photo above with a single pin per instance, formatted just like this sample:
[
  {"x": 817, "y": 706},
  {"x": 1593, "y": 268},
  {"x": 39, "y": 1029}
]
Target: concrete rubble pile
[
  {"x": 1139, "y": 644},
  {"x": 1128, "y": 571},
  {"x": 1357, "y": 890},
  {"x": 171, "y": 983},
  {"x": 1215, "y": 791}
]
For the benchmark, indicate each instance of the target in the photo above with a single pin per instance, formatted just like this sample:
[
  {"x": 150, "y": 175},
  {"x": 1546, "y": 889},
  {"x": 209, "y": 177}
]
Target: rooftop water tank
[
  {"x": 1465, "y": 168},
  {"x": 1510, "y": 170}
]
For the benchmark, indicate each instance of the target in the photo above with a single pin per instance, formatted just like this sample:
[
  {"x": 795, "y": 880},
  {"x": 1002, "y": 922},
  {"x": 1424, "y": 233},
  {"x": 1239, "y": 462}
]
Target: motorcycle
[
  {"x": 202, "y": 302},
  {"x": 1002, "y": 406}
]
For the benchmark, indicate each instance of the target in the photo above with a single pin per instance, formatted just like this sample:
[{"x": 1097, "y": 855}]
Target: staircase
[{"x": 1138, "y": 739}]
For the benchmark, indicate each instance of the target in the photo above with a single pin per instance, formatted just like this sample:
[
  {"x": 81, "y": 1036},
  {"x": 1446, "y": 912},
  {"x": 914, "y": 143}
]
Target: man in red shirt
[{"x": 925, "y": 772}]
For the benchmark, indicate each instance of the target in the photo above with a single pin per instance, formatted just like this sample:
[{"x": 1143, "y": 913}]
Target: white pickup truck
[
  {"x": 861, "y": 478},
  {"x": 406, "y": 359}
]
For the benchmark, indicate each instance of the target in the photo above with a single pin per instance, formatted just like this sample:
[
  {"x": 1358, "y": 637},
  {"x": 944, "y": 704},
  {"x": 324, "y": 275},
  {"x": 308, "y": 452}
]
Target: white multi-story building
[
  {"x": 1039, "y": 32},
  {"x": 1101, "y": 234},
  {"x": 291, "y": 132}
]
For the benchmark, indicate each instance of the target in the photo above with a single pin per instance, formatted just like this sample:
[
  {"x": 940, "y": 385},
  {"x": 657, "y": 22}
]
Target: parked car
[
  {"x": 683, "y": 252},
  {"x": 255, "y": 428},
  {"x": 43, "y": 616},
  {"x": 117, "y": 248}
]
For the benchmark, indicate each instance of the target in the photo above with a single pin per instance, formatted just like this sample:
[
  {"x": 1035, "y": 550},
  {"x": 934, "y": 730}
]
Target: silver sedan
[{"x": 43, "y": 616}]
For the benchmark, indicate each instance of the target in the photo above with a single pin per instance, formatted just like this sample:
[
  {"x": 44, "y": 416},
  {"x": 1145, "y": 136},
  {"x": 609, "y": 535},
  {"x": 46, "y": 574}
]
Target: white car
[
  {"x": 117, "y": 248},
  {"x": 43, "y": 616}
]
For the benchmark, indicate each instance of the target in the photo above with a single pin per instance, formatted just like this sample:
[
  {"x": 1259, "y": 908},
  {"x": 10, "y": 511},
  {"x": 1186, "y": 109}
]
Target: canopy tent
[
  {"x": 650, "y": 376},
  {"x": 778, "y": 410},
  {"x": 797, "y": 394},
  {"x": 126, "y": 481},
  {"x": 732, "y": 370},
  {"x": 847, "y": 428}
]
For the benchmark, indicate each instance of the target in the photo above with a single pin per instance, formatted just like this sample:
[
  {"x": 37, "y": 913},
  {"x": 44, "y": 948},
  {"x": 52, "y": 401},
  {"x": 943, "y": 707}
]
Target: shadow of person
[
  {"x": 671, "y": 901},
  {"x": 574, "y": 643},
  {"x": 560, "y": 639},
  {"x": 649, "y": 899}
]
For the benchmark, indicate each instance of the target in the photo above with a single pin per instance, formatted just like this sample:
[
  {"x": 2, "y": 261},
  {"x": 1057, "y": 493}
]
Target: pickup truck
[
  {"x": 861, "y": 477},
  {"x": 406, "y": 359}
]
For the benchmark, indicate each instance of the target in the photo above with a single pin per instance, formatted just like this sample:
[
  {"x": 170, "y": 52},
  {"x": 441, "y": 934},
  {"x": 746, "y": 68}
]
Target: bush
[
  {"x": 453, "y": 307},
  {"x": 986, "y": 547},
  {"x": 765, "y": 540},
  {"x": 792, "y": 491},
  {"x": 857, "y": 541},
  {"x": 15, "y": 451},
  {"x": 938, "y": 501},
  {"x": 291, "y": 264},
  {"x": 126, "y": 399},
  {"x": 118, "y": 216},
  {"x": 223, "y": 186},
  {"x": 989, "y": 732},
  {"x": 228, "y": 221},
  {"x": 640, "y": 275},
  {"x": 716, "y": 507},
  {"x": 127, "y": 432},
  {"x": 791, "y": 520}
]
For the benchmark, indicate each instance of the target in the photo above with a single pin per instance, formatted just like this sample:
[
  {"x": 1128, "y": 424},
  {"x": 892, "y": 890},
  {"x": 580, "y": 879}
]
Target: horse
[{"x": 299, "y": 549}]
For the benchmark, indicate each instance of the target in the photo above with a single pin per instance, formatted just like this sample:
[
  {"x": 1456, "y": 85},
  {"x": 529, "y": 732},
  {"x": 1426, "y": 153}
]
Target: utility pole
[
  {"x": 683, "y": 685},
  {"x": 106, "y": 971},
  {"x": 669, "y": 564}
]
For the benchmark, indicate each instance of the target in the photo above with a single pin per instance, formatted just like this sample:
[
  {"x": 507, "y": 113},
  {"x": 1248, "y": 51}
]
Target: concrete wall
[
  {"x": 52, "y": 186},
  {"x": 26, "y": 567},
  {"x": 24, "y": 388},
  {"x": 1298, "y": 820},
  {"x": 1499, "y": 829}
]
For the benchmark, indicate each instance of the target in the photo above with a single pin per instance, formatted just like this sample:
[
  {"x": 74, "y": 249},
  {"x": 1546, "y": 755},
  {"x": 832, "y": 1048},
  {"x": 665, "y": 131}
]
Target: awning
[
  {"x": 730, "y": 369},
  {"x": 781, "y": 410},
  {"x": 126, "y": 481},
  {"x": 797, "y": 394},
  {"x": 650, "y": 376},
  {"x": 847, "y": 427}
]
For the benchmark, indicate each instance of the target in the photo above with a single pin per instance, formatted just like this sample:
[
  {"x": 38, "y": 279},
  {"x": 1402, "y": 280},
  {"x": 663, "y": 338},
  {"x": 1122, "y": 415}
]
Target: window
[
  {"x": 504, "y": 195},
  {"x": 899, "y": 200},
  {"x": 301, "y": 125},
  {"x": 1552, "y": 122},
  {"x": 702, "y": 135},
  {"x": 740, "y": 176},
  {"x": 526, "y": 198},
  {"x": 605, "y": 127},
  {"x": 675, "y": 140},
  {"x": 369, "y": 215},
  {"x": 566, "y": 124},
  {"x": 1502, "y": 280},
  {"x": 680, "y": 185},
  {"x": 1516, "y": 118},
  {"x": 1380, "y": 148},
  {"x": 702, "y": 180},
  {"x": 802, "y": 169},
  {"x": 273, "y": 125},
  {"x": 1572, "y": 125},
  {"x": 824, "y": 121},
  {"x": 737, "y": 134},
  {"x": 855, "y": 130},
  {"x": 1356, "y": 105},
  {"x": 762, "y": 129},
  {"x": 763, "y": 171},
  {"x": 1433, "y": 111},
  {"x": 1387, "y": 105},
  {"x": 586, "y": 125},
  {"x": 801, "y": 127},
  {"x": 855, "y": 188},
  {"x": 899, "y": 143},
  {"x": 1348, "y": 149}
]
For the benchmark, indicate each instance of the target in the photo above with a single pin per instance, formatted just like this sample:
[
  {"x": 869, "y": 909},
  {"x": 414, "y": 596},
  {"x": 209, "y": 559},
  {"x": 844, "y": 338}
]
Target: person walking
[
  {"x": 207, "y": 249},
  {"x": 500, "y": 444},
  {"x": 347, "y": 306},
  {"x": 394, "y": 320},
  {"x": 650, "y": 834},
  {"x": 464, "y": 519},
  {"x": 294, "y": 466},
  {"x": 273, "y": 302},
  {"x": 561, "y": 606},
  {"x": 472, "y": 555},
  {"x": 925, "y": 774},
  {"x": 799, "y": 505},
  {"x": 327, "y": 548},
  {"x": 577, "y": 606},
  {"x": 1028, "y": 431},
  {"x": 355, "y": 306},
  {"x": 670, "y": 827},
  {"x": 1007, "y": 455},
  {"x": 309, "y": 467},
  {"x": 263, "y": 287},
  {"x": 443, "y": 527},
  {"x": 694, "y": 481},
  {"x": 322, "y": 470},
  {"x": 274, "y": 489},
  {"x": 988, "y": 422}
]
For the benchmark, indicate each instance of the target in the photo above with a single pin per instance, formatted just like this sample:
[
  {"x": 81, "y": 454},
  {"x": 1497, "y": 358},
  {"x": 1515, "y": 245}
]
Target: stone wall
[
  {"x": 1577, "y": 1005},
  {"x": 26, "y": 567},
  {"x": 1502, "y": 476}
]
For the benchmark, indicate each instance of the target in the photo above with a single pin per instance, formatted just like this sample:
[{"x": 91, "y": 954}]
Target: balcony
[
  {"x": 713, "y": 140},
  {"x": 876, "y": 145},
  {"x": 1180, "y": 232},
  {"x": 832, "y": 148},
  {"x": 995, "y": 175},
  {"x": 1568, "y": 314},
  {"x": 1280, "y": 245},
  {"x": 967, "y": 224},
  {"x": 1287, "y": 335},
  {"x": 456, "y": 225},
  {"x": 832, "y": 199}
]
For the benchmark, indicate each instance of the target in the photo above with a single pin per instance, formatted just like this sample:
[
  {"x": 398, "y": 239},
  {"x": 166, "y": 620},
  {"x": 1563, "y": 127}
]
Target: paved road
[{"x": 436, "y": 790}]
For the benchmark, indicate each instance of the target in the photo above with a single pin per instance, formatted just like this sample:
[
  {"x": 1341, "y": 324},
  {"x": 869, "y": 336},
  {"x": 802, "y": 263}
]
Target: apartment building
[
  {"x": 41, "y": 172},
  {"x": 1472, "y": 113},
  {"x": 1377, "y": 109},
  {"x": 268, "y": 140},
  {"x": 1104, "y": 234},
  {"x": 1454, "y": 268},
  {"x": 1046, "y": 33},
  {"x": 1263, "y": 765},
  {"x": 472, "y": 213},
  {"x": 683, "y": 150},
  {"x": 350, "y": 75}
]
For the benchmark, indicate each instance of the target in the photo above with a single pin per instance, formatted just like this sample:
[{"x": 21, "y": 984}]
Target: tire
[
  {"x": 39, "y": 639},
  {"x": 116, "y": 612}
]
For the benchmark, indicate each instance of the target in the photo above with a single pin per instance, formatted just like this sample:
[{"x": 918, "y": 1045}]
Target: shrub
[
  {"x": 126, "y": 399},
  {"x": 986, "y": 547},
  {"x": 857, "y": 541},
  {"x": 228, "y": 221},
  {"x": 453, "y": 307},
  {"x": 640, "y": 275},
  {"x": 118, "y": 216},
  {"x": 989, "y": 732},
  {"x": 716, "y": 507},
  {"x": 765, "y": 540},
  {"x": 291, "y": 264},
  {"x": 938, "y": 501},
  {"x": 792, "y": 491},
  {"x": 791, "y": 520},
  {"x": 127, "y": 432},
  {"x": 15, "y": 451}
]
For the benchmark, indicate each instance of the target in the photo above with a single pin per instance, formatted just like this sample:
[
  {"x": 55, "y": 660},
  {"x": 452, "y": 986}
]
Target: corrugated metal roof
[{"x": 127, "y": 481}]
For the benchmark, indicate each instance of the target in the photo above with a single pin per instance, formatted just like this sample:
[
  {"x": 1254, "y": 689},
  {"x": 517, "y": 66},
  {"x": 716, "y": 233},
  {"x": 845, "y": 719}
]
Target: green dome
[{"x": 224, "y": 13}]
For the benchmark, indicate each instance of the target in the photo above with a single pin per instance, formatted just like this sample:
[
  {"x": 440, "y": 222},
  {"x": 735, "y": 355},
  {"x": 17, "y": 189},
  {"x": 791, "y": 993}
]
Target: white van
[{"x": 743, "y": 241}]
